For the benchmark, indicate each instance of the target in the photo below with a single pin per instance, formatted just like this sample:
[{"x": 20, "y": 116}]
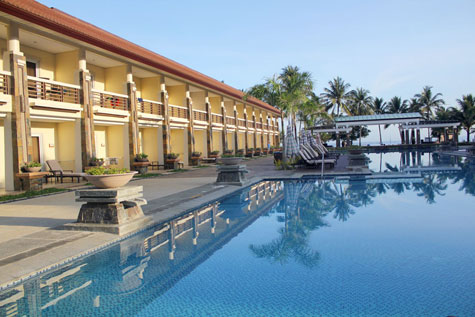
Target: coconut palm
[
  {"x": 336, "y": 95},
  {"x": 379, "y": 106},
  {"x": 467, "y": 113},
  {"x": 313, "y": 112},
  {"x": 429, "y": 102},
  {"x": 359, "y": 104},
  {"x": 397, "y": 105},
  {"x": 430, "y": 187}
]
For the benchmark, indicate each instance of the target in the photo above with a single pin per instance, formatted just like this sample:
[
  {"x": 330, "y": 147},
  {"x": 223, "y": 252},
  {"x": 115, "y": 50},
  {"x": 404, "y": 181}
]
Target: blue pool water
[{"x": 379, "y": 246}]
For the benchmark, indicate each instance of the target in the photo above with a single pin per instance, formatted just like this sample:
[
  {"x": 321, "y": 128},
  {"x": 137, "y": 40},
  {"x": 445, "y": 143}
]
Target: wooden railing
[
  {"x": 230, "y": 120},
  {"x": 5, "y": 82},
  {"x": 178, "y": 112},
  {"x": 241, "y": 122},
  {"x": 109, "y": 100},
  {"x": 258, "y": 125},
  {"x": 250, "y": 124},
  {"x": 200, "y": 115},
  {"x": 217, "y": 118},
  {"x": 51, "y": 90},
  {"x": 265, "y": 126},
  {"x": 151, "y": 107}
]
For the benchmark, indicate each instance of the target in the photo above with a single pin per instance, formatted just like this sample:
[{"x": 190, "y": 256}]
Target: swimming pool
[{"x": 399, "y": 243}]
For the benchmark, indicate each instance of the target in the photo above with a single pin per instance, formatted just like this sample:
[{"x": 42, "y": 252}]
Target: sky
[{"x": 391, "y": 48}]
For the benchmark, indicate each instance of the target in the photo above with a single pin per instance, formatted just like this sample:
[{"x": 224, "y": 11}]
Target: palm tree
[
  {"x": 379, "y": 106},
  {"x": 467, "y": 113},
  {"x": 429, "y": 102},
  {"x": 359, "y": 105},
  {"x": 313, "y": 112},
  {"x": 336, "y": 94},
  {"x": 397, "y": 105}
]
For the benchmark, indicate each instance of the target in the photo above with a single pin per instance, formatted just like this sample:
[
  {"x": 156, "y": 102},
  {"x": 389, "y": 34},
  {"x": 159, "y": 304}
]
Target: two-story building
[{"x": 70, "y": 91}]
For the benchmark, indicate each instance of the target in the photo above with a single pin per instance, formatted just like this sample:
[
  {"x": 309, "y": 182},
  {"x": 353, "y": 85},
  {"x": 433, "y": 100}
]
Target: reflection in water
[{"x": 144, "y": 267}]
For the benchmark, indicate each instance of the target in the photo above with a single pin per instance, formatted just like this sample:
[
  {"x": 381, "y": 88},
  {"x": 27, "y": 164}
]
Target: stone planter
[
  {"x": 110, "y": 181},
  {"x": 141, "y": 166},
  {"x": 171, "y": 163},
  {"x": 230, "y": 160},
  {"x": 33, "y": 169},
  {"x": 213, "y": 156},
  {"x": 195, "y": 160}
]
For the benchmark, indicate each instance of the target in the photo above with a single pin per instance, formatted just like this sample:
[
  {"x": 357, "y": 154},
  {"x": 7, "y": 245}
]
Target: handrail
[
  {"x": 202, "y": 111},
  {"x": 200, "y": 115},
  {"x": 5, "y": 84},
  {"x": 217, "y": 118},
  {"x": 52, "y": 90},
  {"x": 152, "y": 107},
  {"x": 230, "y": 120},
  {"x": 109, "y": 93},
  {"x": 4, "y": 72},
  {"x": 49, "y": 81},
  {"x": 177, "y": 111},
  {"x": 110, "y": 100}
]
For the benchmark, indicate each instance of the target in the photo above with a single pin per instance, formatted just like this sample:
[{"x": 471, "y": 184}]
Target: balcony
[
  {"x": 217, "y": 118},
  {"x": 178, "y": 112},
  {"x": 259, "y": 125},
  {"x": 44, "y": 89},
  {"x": 150, "y": 107},
  {"x": 250, "y": 124},
  {"x": 110, "y": 100},
  {"x": 242, "y": 123},
  {"x": 200, "y": 115},
  {"x": 5, "y": 82},
  {"x": 230, "y": 120}
]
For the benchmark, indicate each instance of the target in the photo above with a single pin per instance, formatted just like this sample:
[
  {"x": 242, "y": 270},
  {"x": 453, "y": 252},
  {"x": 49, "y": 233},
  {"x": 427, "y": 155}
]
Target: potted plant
[
  {"x": 214, "y": 154},
  {"x": 230, "y": 159},
  {"x": 141, "y": 163},
  {"x": 249, "y": 152},
  {"x": 240, "y": 152},
  {"x": 102, "y": 177},
  {"x": 257, "y": 152},
  {"x": 195, "y": 158},
  {"x": 228, "y": 152},
  {"x": 95, "y": 161},
  {"x": 32, "y": 167},
  {"x": 172, "y": 157}
]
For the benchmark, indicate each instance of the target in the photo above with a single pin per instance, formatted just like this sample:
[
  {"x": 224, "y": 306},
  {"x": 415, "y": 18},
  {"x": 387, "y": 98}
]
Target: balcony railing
[
  {"x": 265, "y": 126},
  {"x": 217, "y": 118},
  {"x": 178, "y": 112},
  {"x": 151, "y": 107},
  {"x": 110, "y": 100},
  {"x": 258, "y": 125},
  {"x": 230, "y": 120},
  {"x": 250, "y": 124},
  {"x": 51, "y": 90},
  {"x": 200, "y": 115},
  {"x": 241, "y": 123},
  {"x": 5, "y": 82}
]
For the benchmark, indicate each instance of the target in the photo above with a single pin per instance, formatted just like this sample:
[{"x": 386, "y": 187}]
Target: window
[{"x": 31, "y": 68}]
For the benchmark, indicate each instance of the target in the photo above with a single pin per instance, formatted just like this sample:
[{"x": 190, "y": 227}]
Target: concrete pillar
[
  {"x": 134, "y": 140},
  {"x": 413, "y": 139},
  {"x": 190, "y": 128},
  {"x": 209, "y": 130},
  {"x": 401, "y": 133},
  {"x": 22, "y": 147},
  {"x": 166, "y": 118},
  {"x": 224, "y": 135},
  {"x": 418, "y": 136},
  {"x": 263, "y": 145},
  {"x": 337, "y": 139},
  {"x": 236, "y": 136},
  {"x": 246, "y": 133},
  {"x": 88, "y": 147},
  {"x": 446, "y": 136},
  {"x": 78, "y": 166},
  {"x": 254, "y": 126},
  {"x": 456, "y": 136},
  {"x": 406, "y": 132}
]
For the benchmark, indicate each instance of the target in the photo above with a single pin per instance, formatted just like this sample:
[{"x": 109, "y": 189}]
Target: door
[{"x": 36, "y": 148}]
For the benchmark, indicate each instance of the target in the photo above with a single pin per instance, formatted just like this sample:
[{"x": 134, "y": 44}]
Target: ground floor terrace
[{"x": 194, "y": 223}]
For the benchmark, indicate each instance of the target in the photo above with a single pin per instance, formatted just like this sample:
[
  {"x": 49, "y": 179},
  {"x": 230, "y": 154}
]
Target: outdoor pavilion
[{"x": 410, "y": 125}]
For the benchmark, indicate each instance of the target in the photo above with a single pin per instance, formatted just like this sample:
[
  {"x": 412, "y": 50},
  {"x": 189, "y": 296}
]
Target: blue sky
[{"x": 388, "y": 47}]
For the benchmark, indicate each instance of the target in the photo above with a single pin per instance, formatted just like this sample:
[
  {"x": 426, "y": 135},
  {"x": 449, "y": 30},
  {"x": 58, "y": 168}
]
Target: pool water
[{"x": 383, "y": 246}]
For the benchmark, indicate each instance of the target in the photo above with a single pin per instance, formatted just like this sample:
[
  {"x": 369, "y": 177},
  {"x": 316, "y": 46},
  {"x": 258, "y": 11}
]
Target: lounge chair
[
  {"x": 59, "y": 173},
  {"x": 323, "y": 150},
  {"x": 312, "y": 158}
]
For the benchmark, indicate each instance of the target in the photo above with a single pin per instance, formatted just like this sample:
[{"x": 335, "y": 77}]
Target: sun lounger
[
  {"x": 59, "y": 173},
  {"x": 312, "y": 158}
]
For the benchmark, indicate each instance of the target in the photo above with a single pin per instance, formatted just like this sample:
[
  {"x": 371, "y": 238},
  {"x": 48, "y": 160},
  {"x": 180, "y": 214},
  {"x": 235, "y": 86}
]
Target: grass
[
  {"x": 32, "y": 193},
  {"x": 179, "y": 170},
  {"x": 201, "y": 166}
]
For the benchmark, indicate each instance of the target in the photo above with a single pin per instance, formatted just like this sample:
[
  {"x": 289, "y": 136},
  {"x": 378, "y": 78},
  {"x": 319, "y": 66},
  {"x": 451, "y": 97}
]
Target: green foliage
[
  {"x": 172, "y": 156},
  {"x": 196, "y": 154},
  {"x": 141, "y": 156},
  {"x": 214, "y": 152},
  {"x": 100, "y": 170},
  {"x": 228, "y": 152},
  {"x": 33, "y": 164},
  {"x": 96, "y": 159},
  {"x": 32, "y": 193}
]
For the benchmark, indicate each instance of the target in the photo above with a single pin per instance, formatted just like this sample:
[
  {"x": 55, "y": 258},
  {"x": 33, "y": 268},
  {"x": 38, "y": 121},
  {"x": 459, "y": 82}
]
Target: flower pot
[
  {"x": 33, "y": 169},
  {"x": 141, "y": 167},
  {"x": 142, "y": 160},
  {"x": 230, "y": 160},
  {"x": 110, "y": 181}
]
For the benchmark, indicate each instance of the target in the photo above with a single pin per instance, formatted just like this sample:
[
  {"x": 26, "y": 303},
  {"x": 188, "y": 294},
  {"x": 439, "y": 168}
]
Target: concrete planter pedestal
[
  {"x": 231, "y": 175},
  {"x": 115, "y": 210},
  {"x": 141, "y": 167}
]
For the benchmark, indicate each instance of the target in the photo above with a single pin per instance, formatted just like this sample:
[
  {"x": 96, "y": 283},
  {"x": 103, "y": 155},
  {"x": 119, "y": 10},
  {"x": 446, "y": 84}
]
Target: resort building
[{"x": 70, "y": 91}]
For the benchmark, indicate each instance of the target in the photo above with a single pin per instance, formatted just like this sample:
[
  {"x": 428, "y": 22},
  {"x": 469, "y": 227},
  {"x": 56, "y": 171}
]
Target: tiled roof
[{"x": 68, "y": 25}]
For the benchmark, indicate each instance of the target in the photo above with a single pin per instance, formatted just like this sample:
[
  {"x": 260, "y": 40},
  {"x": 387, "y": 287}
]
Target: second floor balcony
[
  {"x": 44, "y": 89},
  {"x": 110, "y": 100}
]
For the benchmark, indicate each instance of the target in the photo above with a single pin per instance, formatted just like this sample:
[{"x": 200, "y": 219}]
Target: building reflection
[{"x": 141, "y": 268}]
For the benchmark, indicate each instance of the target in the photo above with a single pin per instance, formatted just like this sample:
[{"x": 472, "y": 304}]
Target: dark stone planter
[
  {"x": 195, "y": 160},
  {"x": 141, "y": 166},
  {"x": 33, "y": 169}
]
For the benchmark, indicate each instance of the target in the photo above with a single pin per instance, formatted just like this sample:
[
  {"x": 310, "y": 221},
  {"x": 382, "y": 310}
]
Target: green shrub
[
  {"x": 172, "y": 156},
  {"x": 33, "y": 164},
  {"x": 141, "y": 156},
  {"x": 100, "y": 170},
  {"x": 214, "y": 153},
  {"x": 196, "y": 154}
]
